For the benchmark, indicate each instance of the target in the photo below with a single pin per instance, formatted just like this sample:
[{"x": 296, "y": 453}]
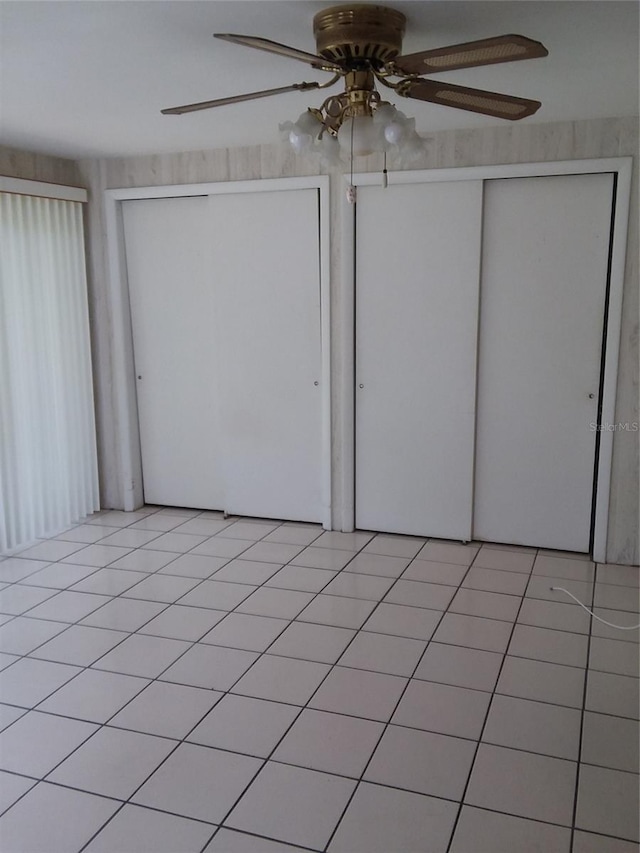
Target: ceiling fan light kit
[{"x": 361, "y": 45}]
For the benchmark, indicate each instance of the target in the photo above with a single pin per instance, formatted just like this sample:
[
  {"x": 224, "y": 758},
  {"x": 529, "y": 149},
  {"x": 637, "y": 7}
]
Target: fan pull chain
[
  {"x": 385, "y": 174},
  {"x": 352, "y": 194}
]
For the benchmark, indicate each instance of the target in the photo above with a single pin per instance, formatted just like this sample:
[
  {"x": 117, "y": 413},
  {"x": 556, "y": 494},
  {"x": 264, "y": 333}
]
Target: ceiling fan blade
[
  {"x": 475, "y": 100},
  {"x": 508, "y": 48},
  {"x": 236, "y": 99},
  {"x": 281, "y": 49}
]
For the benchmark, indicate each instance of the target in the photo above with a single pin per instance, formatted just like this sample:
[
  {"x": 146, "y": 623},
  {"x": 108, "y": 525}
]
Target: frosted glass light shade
[{"x": 365, "y": 136}]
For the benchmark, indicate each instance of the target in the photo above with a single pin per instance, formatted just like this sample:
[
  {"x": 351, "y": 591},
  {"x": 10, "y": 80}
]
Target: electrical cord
[{"x": 584, "y": 607}]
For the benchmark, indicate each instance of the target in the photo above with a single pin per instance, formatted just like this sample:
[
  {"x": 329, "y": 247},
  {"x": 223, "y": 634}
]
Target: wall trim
[
  {"x": 124, "y": 390},
  {"x": 622, "y": 168},
  {"x": 42, "y": 189}
]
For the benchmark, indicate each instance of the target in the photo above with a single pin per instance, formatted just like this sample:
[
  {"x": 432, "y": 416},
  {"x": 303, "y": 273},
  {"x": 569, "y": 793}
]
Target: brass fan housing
[{"x": 355, "y": 33}]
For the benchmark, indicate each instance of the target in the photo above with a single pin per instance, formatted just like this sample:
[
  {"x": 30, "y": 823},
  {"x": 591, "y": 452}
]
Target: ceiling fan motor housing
[{"x": 359, "y": 33}]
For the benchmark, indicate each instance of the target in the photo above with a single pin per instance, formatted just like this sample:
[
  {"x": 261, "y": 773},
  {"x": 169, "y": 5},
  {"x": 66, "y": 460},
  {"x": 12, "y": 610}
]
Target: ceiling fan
[{"x": 362, "y": 45}]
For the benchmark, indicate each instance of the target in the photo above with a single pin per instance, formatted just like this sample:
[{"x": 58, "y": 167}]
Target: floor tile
[
  {"x": 473, "y": 632},
  {"x": 508, "y": 561},
  {"x": 140, "y": 830},
  {"x": 159, "y": 587},
  {"x": 394, "y": 546},
  {"x": 545, "y": 644},
  {"x": 97, "y": 555},
  {"x": 122, "y": 614},
  {"x": 219, "y": 595},
  {"x": 272, "y": 552},
  {"x": 617, "y": 598},
  {"x": 555, "y": 615},
  {"x": 301, "y": 578},
  {"x": 67, "y": 606},
  {"x": 6, "y": 660},
  {"x": 542, "y": 682},
  {"x": 294, "y": 535},
  {"x": 183, "y": 623},
  {"x": 194, "y": 566},
  {"x": 37, "y": 742},
  {"x": 461, "y": 667},
  {"x": 51, "y": 550},
  {"x": 615, "y": 617},
  {"x": 113, "y": 762},
  {"x": 312, "y": 642},
  {"x": 383, "y": 653},
  {"x": 333, "y": 559},
  {"x": 51, "y": 819},
  {"x": 118, "y": 518},
  {"x": 86, "y": 533},
  {"x": 609, "y": 573},
  {"x": 442, "y": 708},
  {"x": 160, "y": 522},
  {"x": 230, "y": 841},
  {"x": 210, "y": 667},
  {"x": 522, "y": 784},
  {"x": 128, "y": 538},
  {"x": 9, "y": 714},
  {"x": 423, "y": 762},
  {"x": 533, "y": 726},
  {"x": 608, "y": 802},
  {"x": 12, "y": 788},
  {"x": 490, "y": 605},
  {"x": 345, "y": 541},
  {"x": 282, "y": 679},
  {"x": 178, "y": 543},
  {"x": 14, "y": 569},
  {"x": 277, "y": 603},
  {"x": 494, "y": 580},
  {"x": 144, "y": 561},
  {"x": 338, "y": 611},
  {"x": 142, "y": 655},
  {"x": 444, "y": 552},
  {"x": 108, "y": 582},
  {"x": 292, "y": 804},
  {"x": 332, "y": 743},
  {"x": 421, "y": 594},
  {"x": 353, "y": 585},
  {"x": 614, "y": 656},
  {"x": 59, "y": 575},
  {"x": 426, "y": 570},
  {"x": 381, "y": 819},
  {"x": 29, "y": 681},
  {"x": 22, "y": 635},
  {"x": 359, "y": 693},
  {"x": 367, "y": 563},
  {"x": 167, "y": 710},
  {"x": 588, "y": 842},
  {"x": 218, "y": 547},
  {"x": 247, "y": 530},
  {"x": 18, "y": 599},
  {"x": 244, "y": 631},
  {"x": 482, "y": 830},
  {"x": 610, "y": 742},
  {"x": 202, "y": 526},
  {"x": 403, "y": 621},
  {"x": 199, "y": 782},
  {"x": 541, "y": 587},
  {"x": 244, "y": 724},
  {"x": 560, "y": 567},
  {"x": 247, "y": 571},
  {"x": 608, "y": 693},
  {"x": 94, "y": 696}
]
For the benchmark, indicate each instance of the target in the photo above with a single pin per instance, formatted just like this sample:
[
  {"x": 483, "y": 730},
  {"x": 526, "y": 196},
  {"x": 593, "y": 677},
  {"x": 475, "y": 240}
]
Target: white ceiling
[{"x": 88, "y": 78}]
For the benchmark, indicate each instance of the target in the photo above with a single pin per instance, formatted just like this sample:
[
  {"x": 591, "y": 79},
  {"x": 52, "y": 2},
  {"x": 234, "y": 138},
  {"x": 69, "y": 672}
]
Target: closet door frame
[
  {"x": 620, "y": 167},
  {"x": 123, "y": 370}
]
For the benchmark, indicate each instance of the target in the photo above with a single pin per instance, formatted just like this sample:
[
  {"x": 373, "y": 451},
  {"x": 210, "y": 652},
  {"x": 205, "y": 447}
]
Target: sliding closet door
[
  {"x": 173, "y": 307},
  {"x": 544, "y": 278},
  {"x": 266, "y": 281},
  {"x": 417, "y": 269}
]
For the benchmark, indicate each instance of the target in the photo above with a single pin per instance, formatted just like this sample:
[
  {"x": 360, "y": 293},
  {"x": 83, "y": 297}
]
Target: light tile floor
[{"x": 172, "y": 681}]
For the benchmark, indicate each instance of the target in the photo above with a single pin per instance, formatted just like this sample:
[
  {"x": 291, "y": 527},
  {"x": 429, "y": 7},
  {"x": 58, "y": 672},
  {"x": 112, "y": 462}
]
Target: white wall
[{"x": 446, "y": 149}]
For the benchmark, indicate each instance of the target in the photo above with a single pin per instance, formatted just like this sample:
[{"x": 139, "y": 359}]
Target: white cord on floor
[{"x": 604, "y": 621}]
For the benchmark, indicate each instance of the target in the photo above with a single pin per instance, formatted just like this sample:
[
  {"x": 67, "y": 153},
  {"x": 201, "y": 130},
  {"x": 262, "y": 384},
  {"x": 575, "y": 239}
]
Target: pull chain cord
[
  {"x": 584, "y": 607},
  {"x": 351, "y": 190},
  {"x": 385, "y": 177}
]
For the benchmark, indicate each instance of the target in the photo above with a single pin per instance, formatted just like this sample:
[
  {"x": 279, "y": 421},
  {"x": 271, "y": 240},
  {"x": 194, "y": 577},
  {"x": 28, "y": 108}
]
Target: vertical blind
[{"x": 48, "y": 460}]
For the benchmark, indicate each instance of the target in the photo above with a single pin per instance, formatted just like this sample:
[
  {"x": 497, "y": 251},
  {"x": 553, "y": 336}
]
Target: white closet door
[
  {"x": 417, "y": 262},
  {"x": 267, "y": 286},
  {"x": 172, "y": 307},
  {"x": 544, "y": 276}
]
